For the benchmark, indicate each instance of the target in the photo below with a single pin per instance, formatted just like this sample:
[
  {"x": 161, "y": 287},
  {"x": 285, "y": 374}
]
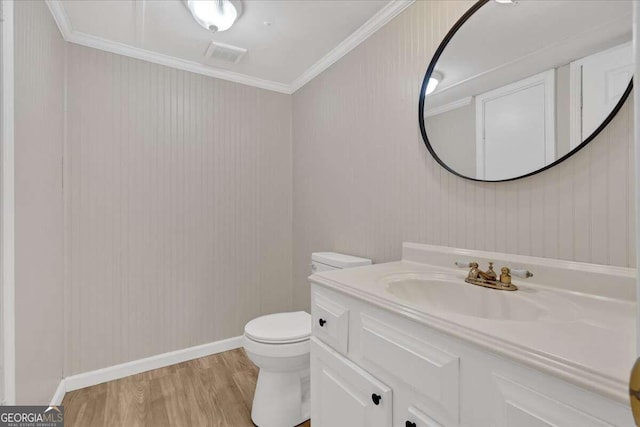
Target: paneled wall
[
  {"x": 179, "y": 208},
  {"x": 363, "y": 181},
  {"x": 180, "y": 192},
  {"x": 39, "y": 135}
]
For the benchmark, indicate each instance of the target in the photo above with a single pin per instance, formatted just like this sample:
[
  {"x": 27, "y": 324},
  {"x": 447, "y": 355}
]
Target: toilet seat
[
  {"x": 280, "y": 328},
  {"x": 295, "y": 349}
]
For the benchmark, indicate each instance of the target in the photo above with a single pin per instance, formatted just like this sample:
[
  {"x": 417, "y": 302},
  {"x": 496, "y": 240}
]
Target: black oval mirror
[{"x": 518, "y": 86}]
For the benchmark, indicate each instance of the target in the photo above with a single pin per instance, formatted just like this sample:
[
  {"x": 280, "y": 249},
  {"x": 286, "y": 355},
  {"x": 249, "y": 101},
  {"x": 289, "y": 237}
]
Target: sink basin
[{"x": 449, "y": 293}]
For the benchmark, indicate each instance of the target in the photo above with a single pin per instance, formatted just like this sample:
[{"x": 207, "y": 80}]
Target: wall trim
[
  {"x": 60, "y": 16},
  {"x": 377, "y": 21},
  {"x": 575, "y": 104},
  {"x": 99, "y": 43},
  {"x": 8, "y": 206},
  {"x": 99, "y": 376},
  {"x": 56, "y": 400},
  {"x": 448, "y": 107},
  {"x": 636, "y": 161},
  {"x": 384, "y": 15}
]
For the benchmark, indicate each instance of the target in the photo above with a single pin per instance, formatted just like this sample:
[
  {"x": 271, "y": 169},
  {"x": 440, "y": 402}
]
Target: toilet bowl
[{"x": 278, "y": 344}]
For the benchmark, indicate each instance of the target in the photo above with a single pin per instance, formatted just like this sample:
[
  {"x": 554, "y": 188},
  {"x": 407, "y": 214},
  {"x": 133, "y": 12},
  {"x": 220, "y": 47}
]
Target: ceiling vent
[{"x": 224, "y": 52}]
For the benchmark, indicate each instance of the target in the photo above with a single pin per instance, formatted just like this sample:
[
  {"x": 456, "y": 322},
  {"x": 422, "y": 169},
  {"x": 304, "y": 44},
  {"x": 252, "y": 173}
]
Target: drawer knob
[
  {"x": 376, "y": 398},
  {"x": 322, "y": 322},
  {"x": 410, "y": 424}
]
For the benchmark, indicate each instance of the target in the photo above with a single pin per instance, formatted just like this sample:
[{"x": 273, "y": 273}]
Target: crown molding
[
  {"x": 89, "y": 40},
  {"x": 384, "y": 15},
  {"x": 377, "y": 21},
  {"x": 448, "y": 107},
  {"x": 60, "y": 16}
]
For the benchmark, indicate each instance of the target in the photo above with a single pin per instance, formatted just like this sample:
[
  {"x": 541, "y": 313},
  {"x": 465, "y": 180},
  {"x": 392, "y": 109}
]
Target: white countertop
[{"x": 593, "y": 347}]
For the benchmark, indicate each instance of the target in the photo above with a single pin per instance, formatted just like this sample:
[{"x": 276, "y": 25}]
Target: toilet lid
[{"x": 280, "y": 328}]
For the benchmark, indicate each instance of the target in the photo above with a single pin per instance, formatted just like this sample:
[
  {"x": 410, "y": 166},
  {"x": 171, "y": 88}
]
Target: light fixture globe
[
  {"x": 434, "y": 79},
  {"x": 214, "y": 15}
]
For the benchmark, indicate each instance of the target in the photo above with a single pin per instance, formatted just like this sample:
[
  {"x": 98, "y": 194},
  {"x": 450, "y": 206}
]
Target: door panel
[
  {"x": 605, "y": 77},
  {"x": 522, "y": 406},
  {"x": 344, "y": 404},
  {"x": 516, "y": 121},
  {"x": 343, "y": 394},
  {"x": 432, "y": 372}
]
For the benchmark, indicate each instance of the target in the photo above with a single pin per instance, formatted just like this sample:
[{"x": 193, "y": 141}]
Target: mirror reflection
[{"x": 522, "y": 84}]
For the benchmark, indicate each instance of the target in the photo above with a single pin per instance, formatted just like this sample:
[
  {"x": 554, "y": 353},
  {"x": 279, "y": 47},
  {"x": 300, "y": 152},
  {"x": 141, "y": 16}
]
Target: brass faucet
[
  {"x": 489, "y": 279},
  {"x": 475, "y": 273}
]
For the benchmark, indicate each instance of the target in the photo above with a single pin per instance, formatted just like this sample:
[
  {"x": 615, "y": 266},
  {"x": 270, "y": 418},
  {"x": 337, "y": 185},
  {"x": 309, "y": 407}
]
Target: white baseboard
[
  {"x": 86, "y": 379},
  {"x": 56, "y": 400}
]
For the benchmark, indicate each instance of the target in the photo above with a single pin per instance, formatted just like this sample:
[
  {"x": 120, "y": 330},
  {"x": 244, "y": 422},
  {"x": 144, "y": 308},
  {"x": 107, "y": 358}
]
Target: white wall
[
  {"x": 179, "y": 208},
  {"x": 452, "y": 135},
  {"x": 178, "y": 198},
  {"x": 39, "y": 248},
  {"x": 364, "y": 182},
  {"x": 174, "y": 228}
]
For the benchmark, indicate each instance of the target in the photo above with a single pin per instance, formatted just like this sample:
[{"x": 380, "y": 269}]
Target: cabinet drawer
[
  {"x": 432, "y": 372},
  {"x": 344, "y": 395},
  {"x": 330, "y": 322},
  {"x": 417, "y": 418}
]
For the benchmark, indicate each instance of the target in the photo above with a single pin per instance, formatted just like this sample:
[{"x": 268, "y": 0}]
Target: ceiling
[
  {"x": 304, "y": 36},
  {"x": 503, "y": 43}
]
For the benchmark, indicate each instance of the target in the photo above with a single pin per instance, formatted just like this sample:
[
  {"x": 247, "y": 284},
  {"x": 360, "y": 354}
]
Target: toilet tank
[{"x": 323, "y": 261}]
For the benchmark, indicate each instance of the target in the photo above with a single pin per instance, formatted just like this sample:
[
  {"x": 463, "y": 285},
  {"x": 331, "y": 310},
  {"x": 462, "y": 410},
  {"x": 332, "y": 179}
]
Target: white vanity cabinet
[{"x": 428, "y": 378}]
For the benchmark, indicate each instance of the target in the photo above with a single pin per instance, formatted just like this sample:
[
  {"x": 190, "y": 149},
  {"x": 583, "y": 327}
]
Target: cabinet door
[
  {"x": 345, "y": 395},
  {"x": 522, "y": 406}
]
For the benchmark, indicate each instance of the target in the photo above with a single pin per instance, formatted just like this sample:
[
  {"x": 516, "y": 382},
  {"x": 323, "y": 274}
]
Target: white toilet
[{"x": 278, "y": 344}]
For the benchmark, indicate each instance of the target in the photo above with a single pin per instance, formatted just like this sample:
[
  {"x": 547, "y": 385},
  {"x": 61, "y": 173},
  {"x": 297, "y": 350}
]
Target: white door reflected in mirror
[
  {"x": 516, "y": 121},
  {"x": 600, "y": 81}
]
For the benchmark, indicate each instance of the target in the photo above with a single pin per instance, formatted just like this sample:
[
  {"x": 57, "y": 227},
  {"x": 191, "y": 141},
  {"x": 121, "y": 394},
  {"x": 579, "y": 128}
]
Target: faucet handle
[
  {"x": 525, "y": 274},
  {"x": 463, "y": 264},
  {"x": 466, "y": 264},
  {"x": 490, "y": 273}
]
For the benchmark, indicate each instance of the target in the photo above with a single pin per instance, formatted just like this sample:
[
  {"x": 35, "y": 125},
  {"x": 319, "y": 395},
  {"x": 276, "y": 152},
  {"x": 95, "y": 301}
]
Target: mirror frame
[{"x": 447, "y": 38}]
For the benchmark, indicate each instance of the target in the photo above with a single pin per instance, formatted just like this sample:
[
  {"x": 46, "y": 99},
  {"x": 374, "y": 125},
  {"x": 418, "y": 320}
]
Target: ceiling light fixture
[
  {"x": 434, "y": 79},
  {"x": 214, "y": 15},
  {"x": 505, "y": 1}
]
